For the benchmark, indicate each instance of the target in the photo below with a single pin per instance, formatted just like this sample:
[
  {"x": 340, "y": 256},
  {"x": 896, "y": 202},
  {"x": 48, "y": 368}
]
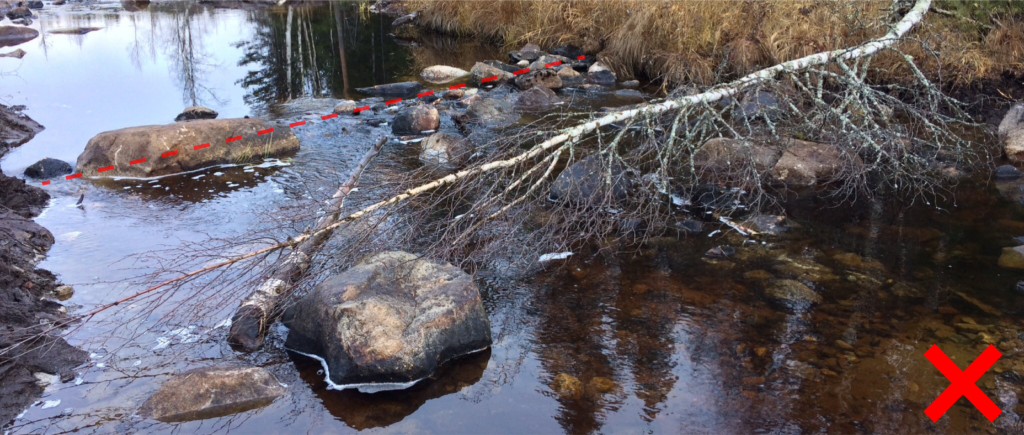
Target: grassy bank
[{"x": 704, "y": 41}]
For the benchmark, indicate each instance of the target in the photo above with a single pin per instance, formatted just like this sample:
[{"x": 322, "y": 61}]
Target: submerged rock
[
  {"x": 1006, "y": 172},
  {"x": 389, "y": 321},
  {"x": 547, "y": 78},
  {"x": 808, "y": 163},
  {"x": 792, "y": 293},
  {"x": 210, "y": 392},
  {"x": 48, "y": 168},
  {"x": 14, "y": 35},
  {"x": 445, "y": 151},
  {"x": 585, "y": 182},
  {"x": 442, "y": 73},
  {"x": 19, "y": 12},
  {"x": 536, "y": 98},
  {"x": 1012, "y": 258},
  {"x": 722, "y": 156},
  {"x": 118, "y": 148},
  {"x": 15, "y": 127},
  {"x": 403, "y": 89},
  {"x": 567, "y": 386},
  {"x": 415, "y": 119},
  {"x": 759, "y": 104},
  {"x": 196, "y": 112},
  {"x": 491, "y": 112},
  {"x": 17, "y": 54}
]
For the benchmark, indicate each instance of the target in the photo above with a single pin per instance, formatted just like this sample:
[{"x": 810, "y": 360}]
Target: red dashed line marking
[{"x": 301, "y": 123}]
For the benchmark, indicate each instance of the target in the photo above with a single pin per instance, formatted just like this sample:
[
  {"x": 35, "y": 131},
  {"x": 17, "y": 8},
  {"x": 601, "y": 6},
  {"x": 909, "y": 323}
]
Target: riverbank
[{"x": 27, "y": 294}]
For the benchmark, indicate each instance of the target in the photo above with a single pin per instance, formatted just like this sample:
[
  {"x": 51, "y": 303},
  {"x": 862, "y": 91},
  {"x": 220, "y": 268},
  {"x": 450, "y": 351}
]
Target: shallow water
[{"x": 661, "y": 338}]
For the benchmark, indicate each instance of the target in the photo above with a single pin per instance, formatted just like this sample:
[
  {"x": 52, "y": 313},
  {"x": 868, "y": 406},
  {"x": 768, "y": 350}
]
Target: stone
[
  {"x": 766, "y": 224},
  {"x": 405, "y": 19},
  {"x": 442, "y": 73},
  {"x": 491, "y": 112},
  {"x": 758, "y": 275},
  {"x": 602, "y": 385},
  {"x": 1006, "y": 172},
  {"x": 5, "y": 7},
  {"x": 723, "y": 156},
  {"x": 630, "y": 84},
  {"x": 48, "y": 168},
  {"x": 792, "y": 293},
  {"x": 1012, "y": 258},
  {"x": 759, "y": 104},
  {"x": 569, "y": 76},
  {"x": 346, "y": 107},
  {"x": 24, "y": 21},
  {"x": 528, "y": 55},
  {"x": 118, "y": 147},
  {"x": 567, "y": 386},
  {"x": 690, "y": 226},
  {"x": 855, "y": 261},
  {"x": 523, "y": 63},
  {"x": 542, "y": 62},
  {"x": 16, "y": 128},
  {"x": 17, "y": 54},
  {"x": 196, "y": 112},
  {"x": 567, "y": 50},
  {"x": 1012, "y": 121},
  {"x": 64, "y": 292},
  {"x": 14, "y": 35},
  {"x": 210, "y": 392},
  {"x": 584, "y": 182},
  {"x": 720, "y": 252},
  {"x": 34, "y": 4},
  {"x": 482, "y": 71},
  {"x": 401, "y": 90},
  {"x": 629, "y": 94},
  {"x": 547, "y": 78},
  {"x": 843, "y": 345},
  {"x": 416, "y": 119},
  {"x": 970, "y": 327},
  {"x": 502, "y": 66},
  {"x": 808, "y": 163},
  {"x": 453, "y": 94},
  {"x": 389, "y": 321},
  {"x": 536, "y": 98},
  {"x": 19, "y": 12},
  {"x": 445, "y": 151},
  {"x": 600, "y": 74}
]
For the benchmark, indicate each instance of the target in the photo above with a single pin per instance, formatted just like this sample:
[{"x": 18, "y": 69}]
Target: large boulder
[
  {"x": 806, "y": 163},
  {"x": 5, "y": 7},
  {"x": 196, "y": 112},
  {"x": 16, "y": 128},
  {"x": 118, "y": 148},
  {"x": 1011, "y": 133},
  {"x": 600, "y": 74},
  {"x": 402, "y": 90},
  {"x": 14, "y": 35},
  {"x": 586, "y": 182},
  {"x": 389, "y": 322},
  {"x": 445, "y": 151},
  {"x": 536, "y": 98},
  {"x": 482, "y": 71},
  {"x": 733, "y": 157},
  {"x": 210, "y": 392},
  {"x": 48, "y": 168},
  {"x": 416, "y": 119},
  {"x": 442, "y": 73},
  {"x": 547, "y": 78}
]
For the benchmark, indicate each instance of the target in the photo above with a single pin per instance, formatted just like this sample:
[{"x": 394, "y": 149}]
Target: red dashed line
[{"x": 300, "y": 123}]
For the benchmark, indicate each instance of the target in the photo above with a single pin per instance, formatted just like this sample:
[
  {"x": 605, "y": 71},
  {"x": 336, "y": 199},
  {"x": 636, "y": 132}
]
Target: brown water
[{"x": 661, "y": 338}]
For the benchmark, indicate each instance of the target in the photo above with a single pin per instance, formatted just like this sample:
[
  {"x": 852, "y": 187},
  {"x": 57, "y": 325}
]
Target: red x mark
[{"x": 963, "y": 383}]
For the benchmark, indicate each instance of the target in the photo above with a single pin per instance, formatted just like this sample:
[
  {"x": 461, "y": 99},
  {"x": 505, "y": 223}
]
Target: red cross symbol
[{"x": 963, "y": 383}]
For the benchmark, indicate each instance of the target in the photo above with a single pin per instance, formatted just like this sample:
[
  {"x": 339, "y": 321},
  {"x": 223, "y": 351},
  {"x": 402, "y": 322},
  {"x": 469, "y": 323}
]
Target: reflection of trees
[
  {"x": 185, "y": 49},
  {"x": 307, "y": 50}
]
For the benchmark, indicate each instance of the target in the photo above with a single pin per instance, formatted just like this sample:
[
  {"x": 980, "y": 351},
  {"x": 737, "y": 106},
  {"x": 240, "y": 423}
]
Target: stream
[{"x": 661, "y": 338}]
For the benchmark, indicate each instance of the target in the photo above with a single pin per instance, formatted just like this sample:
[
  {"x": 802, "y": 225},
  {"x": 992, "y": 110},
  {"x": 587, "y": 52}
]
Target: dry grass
[{"x": 698, "y": 41}]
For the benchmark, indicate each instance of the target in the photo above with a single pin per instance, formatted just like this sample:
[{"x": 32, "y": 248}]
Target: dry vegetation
[{"x": 700, "y": 41}]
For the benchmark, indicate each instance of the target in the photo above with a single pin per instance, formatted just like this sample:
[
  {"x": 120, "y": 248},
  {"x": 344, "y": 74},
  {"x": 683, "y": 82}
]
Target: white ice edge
[
  {"x": 367, "y": 387},
  {"x": 554, "y": 256},
  {"x": 268, "y": 163}
]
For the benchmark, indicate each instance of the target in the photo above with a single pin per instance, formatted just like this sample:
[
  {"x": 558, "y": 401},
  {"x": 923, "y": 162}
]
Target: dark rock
[
  {"x": 454, "y": 94},
  {"x": 720, "y": 252},
  {"x": 15, "y": 127},
  {"x": 211, "y": 392},
  {"x": 536, "y": 98},
  {"x": 584, "y": 182},
  {"x": 18, "y": 54},
  {"x": 24, "y": 21},
  {"x": 792, "y": 293},
  {"x": 1006, "y": 172},
  {"x": 502, "y": 66},
  {"x": 19, "y": 12},
  {"x": 389, "y": 322},
  {"x": 118, "y": 147},
  {"x": 491, "y": 112},
  {"x": 545, "y": 60},
  {"x": 731, "y": 158},
  {"x": 807, "y": 163},
  {"x": 415, "y": 119},
  {"x": 690, "y": 226},
  {"x": 569, "y": 76},
  {"x": 483, "y": 71},
  {"x": 402, "y": 90},
  {"x": 196, "y": 112},
  {"x": 59, "y": 2},
  {"x": 600, "y": 74},
  {"x": 527, "y": 55},
  {"x": 5, "y": 7},
  {"x": 48, "y": 168},
  {"x": 766, "y": 224},
  {"x": 631, "y": 94},
  {"x": 75, "y": 30},
  {"x": 760, "y": 104},
  {"x": 405, "y": 19},
  {"x": 567, "y": 50},
  {"x": 630, "y": 84},
  {"x": 547, "y": 78},
  {"x": 34, "y": 4},
  {"x": 445, "y": 151},
  {"x": 14, "y": 35}
]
